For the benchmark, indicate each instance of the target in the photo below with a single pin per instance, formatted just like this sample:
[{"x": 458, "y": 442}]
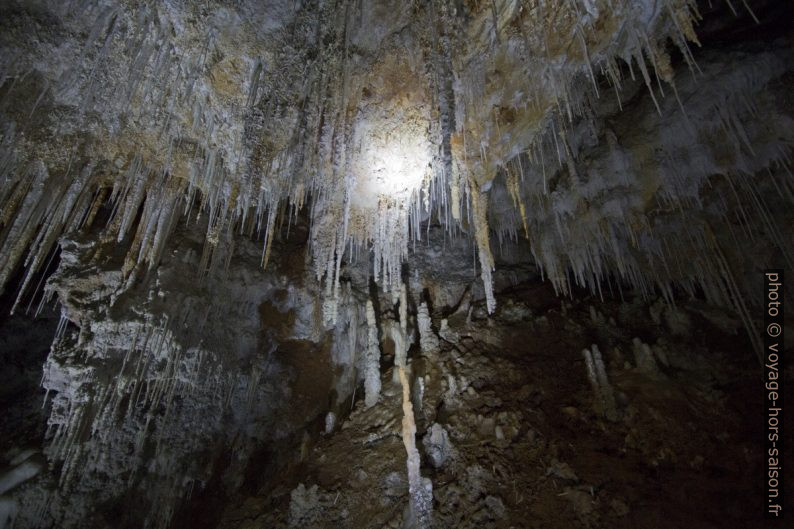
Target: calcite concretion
[{"x": 243, "y": 202}]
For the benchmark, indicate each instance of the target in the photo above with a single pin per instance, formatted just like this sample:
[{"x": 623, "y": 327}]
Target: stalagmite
[
  {"x": 420, "y": 490},
  {"x": 644, "y": 358},
  {"x": 428, "y": 340},
  {"x": 152, "y": 152},
  {"x": 399, "y": 332},
  {"x": 596, "y": 374},
  {"x": 394, "y": 332},
  {"x": 372, "y": 359}
]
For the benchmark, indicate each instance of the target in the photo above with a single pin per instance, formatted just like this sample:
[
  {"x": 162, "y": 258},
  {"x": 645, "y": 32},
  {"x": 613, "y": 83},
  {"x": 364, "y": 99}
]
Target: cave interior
[{"x": 412, "y": 264}]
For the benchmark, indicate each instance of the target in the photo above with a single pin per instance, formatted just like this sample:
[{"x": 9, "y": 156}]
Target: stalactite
[
  {"x": 280, "y": 134},
  {"x": 482, "y": 237},
  {"x": 150, "y": 63}
]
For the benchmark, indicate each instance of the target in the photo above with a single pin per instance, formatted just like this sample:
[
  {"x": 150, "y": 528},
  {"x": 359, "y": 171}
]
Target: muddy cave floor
[{"x": 518, "y": 441}]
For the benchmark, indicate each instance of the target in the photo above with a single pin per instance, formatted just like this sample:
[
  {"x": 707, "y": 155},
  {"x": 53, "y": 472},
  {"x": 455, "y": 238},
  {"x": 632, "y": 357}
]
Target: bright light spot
[
  {"x": 393, "y": 161},
  {"x": 401, "y": 167}
]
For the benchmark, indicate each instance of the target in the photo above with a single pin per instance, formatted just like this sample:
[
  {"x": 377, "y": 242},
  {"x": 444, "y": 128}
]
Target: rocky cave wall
[{"x": 222, "y": 187}]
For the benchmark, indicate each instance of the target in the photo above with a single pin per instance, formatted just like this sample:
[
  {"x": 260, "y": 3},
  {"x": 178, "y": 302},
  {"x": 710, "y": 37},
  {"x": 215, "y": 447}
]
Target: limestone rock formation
[{"x": 226, "y": 225}]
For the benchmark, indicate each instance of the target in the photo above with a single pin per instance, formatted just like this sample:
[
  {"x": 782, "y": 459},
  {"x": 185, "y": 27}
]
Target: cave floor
[{"x": 527, "y": 447}]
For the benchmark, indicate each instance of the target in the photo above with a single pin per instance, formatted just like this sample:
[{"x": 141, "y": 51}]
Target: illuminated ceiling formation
[
  {"x": 595, "y": 135},
  {"x": 377, "y": 116}
]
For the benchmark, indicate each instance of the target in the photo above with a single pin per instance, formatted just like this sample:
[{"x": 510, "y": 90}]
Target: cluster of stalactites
[
  {"x": 134, "y": 394},
  {"x": 273, "y": 157},
  {"x": 172, "y": 128},
  {"x": 84, "y": 425},
  {"x": 36, "y": 209},
  {"x": 486, "y": 144},
  {"x": 597, "y": 227}
]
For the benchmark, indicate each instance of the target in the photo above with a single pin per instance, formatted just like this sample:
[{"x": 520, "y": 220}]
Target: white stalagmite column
[
  {"x": 597, "y": 374},
  {"x": 643, "y": 356},
  {"x": 428, "y": 341},
  {"x": 372, "y": 364},
  {"x": 404, "y": 311},
  {"x": 420, "y": 490},
  {"x": 400, "y": 334},
  {"x": 400, "y": 356}
]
